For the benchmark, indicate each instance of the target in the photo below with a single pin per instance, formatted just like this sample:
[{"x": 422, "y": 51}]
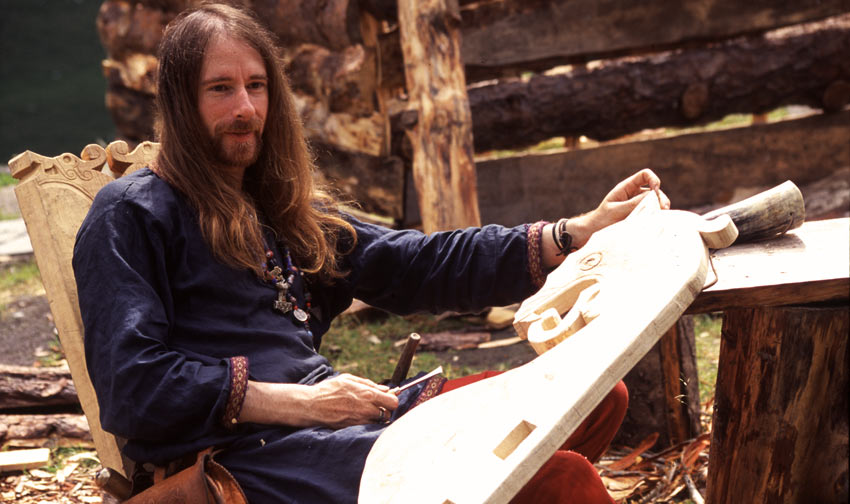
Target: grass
[
  {"x": 368, "y": 348},
  {"x": 7, "y": 179},
  {"x": 707, "y": 330},
  {"x": 59, "y": 455},
  {"x": 19, "y": 279}
]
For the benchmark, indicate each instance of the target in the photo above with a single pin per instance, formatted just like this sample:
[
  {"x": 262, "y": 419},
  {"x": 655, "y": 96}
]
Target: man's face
[{"x": 233, "y": 101}]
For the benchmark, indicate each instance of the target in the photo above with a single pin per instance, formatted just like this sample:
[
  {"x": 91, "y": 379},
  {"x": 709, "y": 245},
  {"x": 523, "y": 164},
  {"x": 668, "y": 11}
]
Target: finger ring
[{"x": 383, "y": 414}]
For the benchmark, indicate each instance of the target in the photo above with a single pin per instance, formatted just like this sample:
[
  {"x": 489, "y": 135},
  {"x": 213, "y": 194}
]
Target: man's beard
[{"x": 233, "y": 153}]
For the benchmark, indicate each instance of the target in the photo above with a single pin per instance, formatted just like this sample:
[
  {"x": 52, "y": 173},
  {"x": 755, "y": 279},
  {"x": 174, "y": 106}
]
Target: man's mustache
[{"x": 239, "y": 126}]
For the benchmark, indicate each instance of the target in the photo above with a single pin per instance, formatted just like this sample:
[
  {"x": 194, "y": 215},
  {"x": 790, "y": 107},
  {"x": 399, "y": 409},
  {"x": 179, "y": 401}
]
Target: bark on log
[
  {"x": 781, "y": 406},
  {"x": 130, "y": 27},
  {"x": 376, "y": 184},
  {"x": 334, "y": 24},
  {"x": 44, "y": 426},
  {"x": 345, "y": 81},
  {"x": 132, "y": 112},
  {"x": 664, "y": 391},
  {"x": 513, "y": 31},
  {"x": 361, "y": 135},
  {"x": 443, "y": 166},
  {"x": 22, "y": 387},
  {"x": 792, "y": 66},
  {"x": 828, "y": 198}
]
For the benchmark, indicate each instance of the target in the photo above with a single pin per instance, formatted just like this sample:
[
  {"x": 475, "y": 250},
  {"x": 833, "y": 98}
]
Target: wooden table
[{"x": 780, "y": 425}]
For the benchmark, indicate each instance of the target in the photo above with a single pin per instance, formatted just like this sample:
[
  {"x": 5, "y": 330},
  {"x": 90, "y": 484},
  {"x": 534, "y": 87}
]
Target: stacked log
[
  {"x": 699, "y": 62},
  {"x": 37, "y": 404},
  {"x": 333, "y": 73}
]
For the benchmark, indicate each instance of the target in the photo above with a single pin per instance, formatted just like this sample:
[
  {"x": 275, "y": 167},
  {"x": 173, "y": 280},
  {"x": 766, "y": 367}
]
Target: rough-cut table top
[{"x": 808, "y": 264}]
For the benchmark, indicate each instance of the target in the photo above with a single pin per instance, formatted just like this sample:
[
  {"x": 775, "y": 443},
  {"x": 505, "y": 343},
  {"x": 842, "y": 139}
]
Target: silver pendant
[
  {"x": 282, "y": 305},
  {"x": 282, "y": 286},
  {"x": 300, "y": 315}
]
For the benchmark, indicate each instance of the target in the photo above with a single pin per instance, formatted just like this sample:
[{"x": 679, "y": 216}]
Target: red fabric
[{"x": 569, "y": 476}]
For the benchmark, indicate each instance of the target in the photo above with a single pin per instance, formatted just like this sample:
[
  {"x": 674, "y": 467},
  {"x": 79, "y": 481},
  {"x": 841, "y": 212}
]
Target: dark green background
[{"x": 51, "y": 84}]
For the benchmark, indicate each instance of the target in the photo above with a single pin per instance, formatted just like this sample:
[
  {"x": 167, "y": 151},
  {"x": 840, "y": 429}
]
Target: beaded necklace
[{"x": 283, "y": 280}]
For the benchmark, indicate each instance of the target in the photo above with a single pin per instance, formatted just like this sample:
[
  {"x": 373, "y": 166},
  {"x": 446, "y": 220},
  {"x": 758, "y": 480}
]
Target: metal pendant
[
  {"x": 282, "y": 305},
  {"x": 282, "y": 287},
  {"x": 300, "y": 315}
]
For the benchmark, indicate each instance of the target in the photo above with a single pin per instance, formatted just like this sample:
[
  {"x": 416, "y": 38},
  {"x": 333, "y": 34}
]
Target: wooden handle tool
[{"x": 404, "y": 361}]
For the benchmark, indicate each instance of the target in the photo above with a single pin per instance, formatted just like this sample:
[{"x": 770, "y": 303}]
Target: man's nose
[{"x": 243, "y": 107}]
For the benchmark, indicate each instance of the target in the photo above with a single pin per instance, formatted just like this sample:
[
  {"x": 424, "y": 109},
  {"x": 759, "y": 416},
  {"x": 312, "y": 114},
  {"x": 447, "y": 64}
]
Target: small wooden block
[{"x": 17, "y": 460}]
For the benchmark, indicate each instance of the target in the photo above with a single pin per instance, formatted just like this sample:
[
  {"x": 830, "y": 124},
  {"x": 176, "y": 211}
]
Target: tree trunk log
[
  {"x": 334, "y": 24},
  {"x": 664, "y": 391},
  {"x": 522, "y": 31},
  {"x": 44, "y": 426},
  {"x": 22, "y": 387},
  {"x": 126, "y": 28},
  {"x": 443, "y": 166},
  {"x": 697, "y": 86},
  {"x": 781, "y": 406},
  {"x": 346, "y": 81},
  {"x": 375, "y": 183}
]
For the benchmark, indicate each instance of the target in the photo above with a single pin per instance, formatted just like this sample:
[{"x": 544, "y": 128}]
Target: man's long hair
[{"x": 279, "y": 184}]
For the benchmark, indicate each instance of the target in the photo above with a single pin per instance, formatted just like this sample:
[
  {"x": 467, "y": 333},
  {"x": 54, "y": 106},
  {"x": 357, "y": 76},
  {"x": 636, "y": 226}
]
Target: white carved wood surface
[{"x": 483, "y": 442}]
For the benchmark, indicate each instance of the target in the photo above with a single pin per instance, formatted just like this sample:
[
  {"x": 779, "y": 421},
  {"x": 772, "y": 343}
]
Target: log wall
[
  {"x": 696, "y": 169},
  {"x": 629, "y": 67}
]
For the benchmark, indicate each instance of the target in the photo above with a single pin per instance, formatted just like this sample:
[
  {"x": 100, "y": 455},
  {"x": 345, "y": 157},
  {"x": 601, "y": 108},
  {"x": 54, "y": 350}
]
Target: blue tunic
[{"x": 163, "y": 319}]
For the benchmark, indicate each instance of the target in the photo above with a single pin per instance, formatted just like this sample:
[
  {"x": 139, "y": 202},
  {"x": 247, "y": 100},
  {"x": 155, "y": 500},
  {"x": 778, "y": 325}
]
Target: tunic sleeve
[
  {"x": 465, "y": 270},
  {"x": 146, "y": 389}
]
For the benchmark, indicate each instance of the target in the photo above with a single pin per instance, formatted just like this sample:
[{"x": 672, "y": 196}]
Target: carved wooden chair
[{"x": 54, "y": 195}]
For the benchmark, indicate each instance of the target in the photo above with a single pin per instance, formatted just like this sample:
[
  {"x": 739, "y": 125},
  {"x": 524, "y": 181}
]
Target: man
[{"x": 207, "y": 281}]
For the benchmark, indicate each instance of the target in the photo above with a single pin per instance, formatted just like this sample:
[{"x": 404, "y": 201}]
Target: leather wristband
[{"x": 563, "y": 239}]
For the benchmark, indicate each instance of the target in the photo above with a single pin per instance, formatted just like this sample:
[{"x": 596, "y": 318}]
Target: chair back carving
[{"x": 54, "y": 195}]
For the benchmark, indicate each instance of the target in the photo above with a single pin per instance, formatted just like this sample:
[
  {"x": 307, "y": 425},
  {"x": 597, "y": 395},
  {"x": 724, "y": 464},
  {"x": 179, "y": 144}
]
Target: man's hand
[
  {"x": 622, "y": 199},
  {"x": 346, "y": 400},
  {"x": 616, "y": 205},
  {"x": 337, "y": 402}
]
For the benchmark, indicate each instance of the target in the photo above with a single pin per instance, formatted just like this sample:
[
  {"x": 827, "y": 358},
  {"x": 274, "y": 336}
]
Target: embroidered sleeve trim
[
  {"x": 535, "y": 253},
  {"x": 431, "y": 389},
  {"x": 238, "y": 388}
]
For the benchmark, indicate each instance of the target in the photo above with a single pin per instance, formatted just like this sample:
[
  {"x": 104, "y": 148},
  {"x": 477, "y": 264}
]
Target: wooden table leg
[{"x": 780, "y": 429}]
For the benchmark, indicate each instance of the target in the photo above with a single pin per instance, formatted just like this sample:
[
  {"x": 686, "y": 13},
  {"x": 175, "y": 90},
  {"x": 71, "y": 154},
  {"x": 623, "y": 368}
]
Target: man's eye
[
  {"x": 257, "y": 85},
  {"x": 218, "y": 88}
]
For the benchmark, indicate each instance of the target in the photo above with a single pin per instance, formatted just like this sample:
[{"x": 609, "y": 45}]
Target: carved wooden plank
[
  {"x": 499, "y": 33},
  {"x": 443, "y": 166},
  {"x": 696, "y": 169},
  {"x": 781, "y": 406},
  {"x": 806, "y": 265},
  {"x": 54, "y": 195},
  {"x": 16, "y": 460},
  {"x": 499, "y": 426}
]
